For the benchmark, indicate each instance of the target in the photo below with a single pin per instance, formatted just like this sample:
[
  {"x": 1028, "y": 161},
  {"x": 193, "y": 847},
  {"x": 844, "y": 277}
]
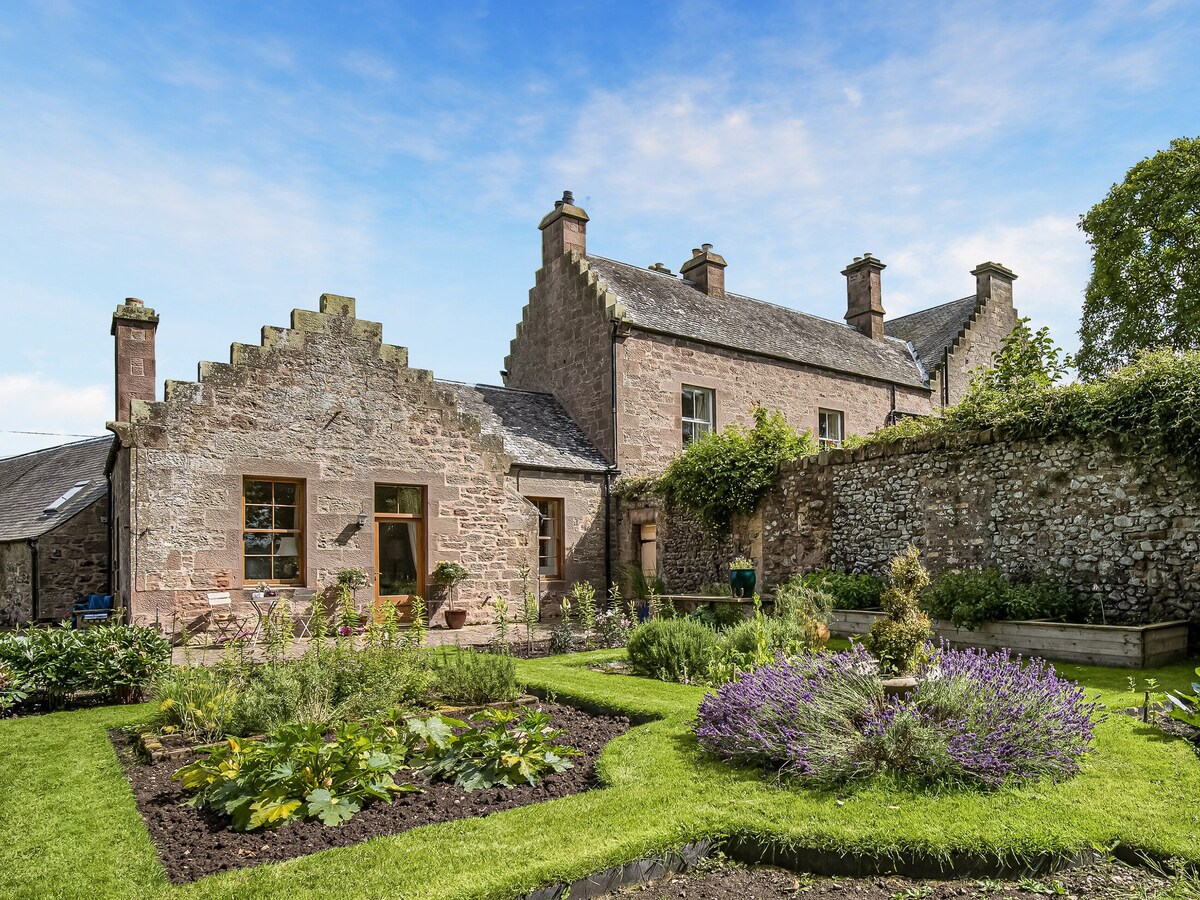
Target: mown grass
[{"x": 69, "y": 827}]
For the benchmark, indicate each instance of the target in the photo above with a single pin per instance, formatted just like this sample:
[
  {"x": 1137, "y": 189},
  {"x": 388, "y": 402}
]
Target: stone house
[
  {"x": 646, "y": 361},
  {"x": 53, "y": 530},
  {"x": 319, "y": 449}
]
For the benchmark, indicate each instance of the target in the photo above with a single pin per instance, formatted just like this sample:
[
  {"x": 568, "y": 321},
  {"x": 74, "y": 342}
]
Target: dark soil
[
  {"x": 193, "y": 843},
  {"x": 1102, "y": 881}
]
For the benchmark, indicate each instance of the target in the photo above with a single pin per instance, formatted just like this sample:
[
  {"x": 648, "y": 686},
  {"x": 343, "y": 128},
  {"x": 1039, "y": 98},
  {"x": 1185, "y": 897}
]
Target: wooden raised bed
[{"x": 1124, "y": 646}]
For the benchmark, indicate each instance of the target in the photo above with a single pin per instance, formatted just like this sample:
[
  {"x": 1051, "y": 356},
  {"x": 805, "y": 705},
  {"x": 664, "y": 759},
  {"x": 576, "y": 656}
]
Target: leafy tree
[
  {"x": 725, "y": 473},
  {"x": 1144, "y": 292}
]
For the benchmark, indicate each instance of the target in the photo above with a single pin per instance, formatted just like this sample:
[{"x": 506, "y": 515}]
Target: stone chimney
[
  {"x": 563, "y": 229},
  {"x": 992, "y": 280},
  {"x": 864, "y": 295},
  {"x": 133, "y": 326},
  {"x": 706, "y": 271}
]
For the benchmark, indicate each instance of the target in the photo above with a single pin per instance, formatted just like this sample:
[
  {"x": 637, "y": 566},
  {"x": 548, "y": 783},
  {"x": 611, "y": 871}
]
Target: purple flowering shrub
[{"x": 975, "y": 718}]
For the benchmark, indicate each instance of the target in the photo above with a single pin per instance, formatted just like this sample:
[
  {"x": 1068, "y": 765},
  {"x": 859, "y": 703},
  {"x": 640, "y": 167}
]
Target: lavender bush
[{"x": 975, "y": 718}]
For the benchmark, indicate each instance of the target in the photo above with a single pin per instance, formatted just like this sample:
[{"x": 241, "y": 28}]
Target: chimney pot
[
  {"x": 706, "y": 247},
  {"x": 563, "y": 229},
  {"x": 706, "y": 271},
  {"x": 133, "y": 301}
]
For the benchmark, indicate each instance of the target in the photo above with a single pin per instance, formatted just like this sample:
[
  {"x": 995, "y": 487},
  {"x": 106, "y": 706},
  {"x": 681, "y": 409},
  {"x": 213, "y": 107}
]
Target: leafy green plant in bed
[
  {"x": 496, "y": 748},
  {"x": 672, "y": 649},
  {"x": 296, "y": 774},
  {"x": 470, "y": 676}
]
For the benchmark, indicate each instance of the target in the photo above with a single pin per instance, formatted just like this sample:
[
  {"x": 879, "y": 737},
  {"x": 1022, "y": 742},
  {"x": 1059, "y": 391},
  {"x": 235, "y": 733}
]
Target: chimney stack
[
  {"x": 864, "y": 295},
  {"x": 133, "y": 327},
  {"x": 993, "y": 280},
  {"x": 706, "y": 271},
  {"x": 563, "y": 229}
]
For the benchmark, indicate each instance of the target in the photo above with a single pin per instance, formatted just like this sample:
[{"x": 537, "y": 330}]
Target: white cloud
[
  {"x": 1049, "y": 256},
  {"x": 39, "y": 403}
]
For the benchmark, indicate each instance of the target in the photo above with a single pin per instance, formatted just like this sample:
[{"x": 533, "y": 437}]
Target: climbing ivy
[{"x": 726, "y": 472}]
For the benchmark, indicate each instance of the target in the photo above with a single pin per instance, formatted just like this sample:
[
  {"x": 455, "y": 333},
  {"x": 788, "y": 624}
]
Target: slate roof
[
  {"x": 32, "y": 481},
  {"x": 659, "y": 302},
  {"x": 931, "y": 331},
  {"x": 535, "y": 429}
]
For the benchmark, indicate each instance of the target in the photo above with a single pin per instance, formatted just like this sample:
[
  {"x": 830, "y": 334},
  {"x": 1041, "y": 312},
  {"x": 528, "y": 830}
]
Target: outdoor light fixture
[{"x": 362, "y": 520}]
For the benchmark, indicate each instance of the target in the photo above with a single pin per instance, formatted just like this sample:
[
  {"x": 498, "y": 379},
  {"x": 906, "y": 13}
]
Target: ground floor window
[
  {"x": 399, "y": 541},
  {"x": 550, "y": 531},
  {"x": 273, "y": 530},
  {"x": 830, "y": 428}
]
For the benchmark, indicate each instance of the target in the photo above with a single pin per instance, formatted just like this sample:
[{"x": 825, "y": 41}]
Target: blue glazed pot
[{"x": 742, "y": 581}]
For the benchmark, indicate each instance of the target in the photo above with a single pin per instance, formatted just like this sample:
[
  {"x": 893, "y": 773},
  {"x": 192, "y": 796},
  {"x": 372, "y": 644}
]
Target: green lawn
[{"x": 69, "y": 827}]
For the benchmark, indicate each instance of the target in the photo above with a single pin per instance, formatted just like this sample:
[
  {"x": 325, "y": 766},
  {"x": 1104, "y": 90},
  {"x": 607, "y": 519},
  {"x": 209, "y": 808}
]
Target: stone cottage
[
  {"x": 319, "y": 449},
  {"x": 53, "y": 530}
]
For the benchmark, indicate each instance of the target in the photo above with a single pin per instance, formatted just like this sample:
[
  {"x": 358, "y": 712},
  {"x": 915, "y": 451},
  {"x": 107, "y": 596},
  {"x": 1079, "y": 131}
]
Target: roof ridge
[
  {"x": 493, "y": 387},
  {"x": 101, "y": 437},
  {"x": 917, "y": 312},
  {"x": 771, "y": 303}
]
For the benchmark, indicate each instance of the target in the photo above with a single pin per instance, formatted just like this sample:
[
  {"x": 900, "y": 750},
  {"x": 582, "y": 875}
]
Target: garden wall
[{"x": 1122, "y": 531}]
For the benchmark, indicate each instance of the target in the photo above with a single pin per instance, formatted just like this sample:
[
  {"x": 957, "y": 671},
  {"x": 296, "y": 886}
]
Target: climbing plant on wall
[{"x": 726, "y": 473}]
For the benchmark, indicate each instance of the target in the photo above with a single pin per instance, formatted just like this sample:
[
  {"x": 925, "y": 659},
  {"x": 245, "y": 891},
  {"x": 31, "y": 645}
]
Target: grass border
[{"x": 69, "y": 827}]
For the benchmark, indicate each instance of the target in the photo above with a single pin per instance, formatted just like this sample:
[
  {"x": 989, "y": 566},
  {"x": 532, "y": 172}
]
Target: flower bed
[
  {"x": 974, "y": 718},
  {"x": 195, "y": 842},
  {"x": 1125, "y": 646}
]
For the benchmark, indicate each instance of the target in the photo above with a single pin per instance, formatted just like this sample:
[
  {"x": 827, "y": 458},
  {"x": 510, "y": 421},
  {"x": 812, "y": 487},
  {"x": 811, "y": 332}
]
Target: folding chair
[
  {"x": 221, "y": 619},
  {"x": 304, "y": 620}
]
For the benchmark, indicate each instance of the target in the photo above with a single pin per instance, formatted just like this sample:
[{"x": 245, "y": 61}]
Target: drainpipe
[
  {"x": 33, "y": 578},
  {"x": 612, "y": 469},
  {"x": 892, "y": 414}
]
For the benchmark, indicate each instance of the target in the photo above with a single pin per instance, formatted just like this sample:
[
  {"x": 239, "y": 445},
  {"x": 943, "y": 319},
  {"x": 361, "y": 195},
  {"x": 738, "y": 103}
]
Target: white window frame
[
  {"x": 692, "y": 427},
  {"x": 826, "y": 440}
]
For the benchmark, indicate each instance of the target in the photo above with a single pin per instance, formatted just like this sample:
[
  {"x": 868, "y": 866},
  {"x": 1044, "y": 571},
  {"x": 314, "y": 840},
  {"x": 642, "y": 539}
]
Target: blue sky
[{"x": 227, "y": 162}]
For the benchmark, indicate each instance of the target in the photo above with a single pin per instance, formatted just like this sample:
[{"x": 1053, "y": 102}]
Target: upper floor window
[
  {"x": 699, "y": 413},
  {"x": 550, "y": 532},
  {"x": 273, "y": 530},
  {"x": 829, "y": 428}
]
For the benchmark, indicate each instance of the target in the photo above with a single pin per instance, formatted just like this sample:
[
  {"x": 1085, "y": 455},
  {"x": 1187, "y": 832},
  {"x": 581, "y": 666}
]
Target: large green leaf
[{"x": 329, "y": 809}]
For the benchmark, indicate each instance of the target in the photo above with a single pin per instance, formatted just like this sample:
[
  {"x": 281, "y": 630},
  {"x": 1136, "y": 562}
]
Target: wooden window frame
[
  {"x": 300, "y": 531},
  {"x": 560, "y": 560},
  {"x": 831, "y": 443},
  {"x": 684, "y": 421},
  {"x": 422, "y": 519}
]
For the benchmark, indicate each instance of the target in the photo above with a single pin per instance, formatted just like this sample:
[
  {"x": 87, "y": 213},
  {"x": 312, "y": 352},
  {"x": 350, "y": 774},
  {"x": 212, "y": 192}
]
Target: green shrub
[
  {"x": 497, "y": 748},
  {"x": 975, "y": 596},
  {"x": 296, "y": 774},
  {"x": 967, "y": 598},
  {"x": 848, "y": 591},
  {"x": 123, "y": 659},
  {"x": 898, "y": 640},
  {"x": 58, "y": 662},
  {"x": 672, "y": 649},
  {"x": 472, "y": 677},
  {"x": 386, "y": 678},
  {"x": 12, "y": 688},
  {"x": 200, "y": 703}
]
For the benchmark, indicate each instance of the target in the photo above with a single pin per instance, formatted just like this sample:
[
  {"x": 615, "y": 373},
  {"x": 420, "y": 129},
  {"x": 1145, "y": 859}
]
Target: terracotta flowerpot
[{"x": 456, "y": 618}]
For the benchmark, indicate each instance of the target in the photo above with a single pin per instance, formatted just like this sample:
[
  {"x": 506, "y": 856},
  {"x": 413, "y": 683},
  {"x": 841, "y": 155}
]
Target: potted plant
[
  {"x": 742, "y": 576},
  {"x": 450, "y": 575}
]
